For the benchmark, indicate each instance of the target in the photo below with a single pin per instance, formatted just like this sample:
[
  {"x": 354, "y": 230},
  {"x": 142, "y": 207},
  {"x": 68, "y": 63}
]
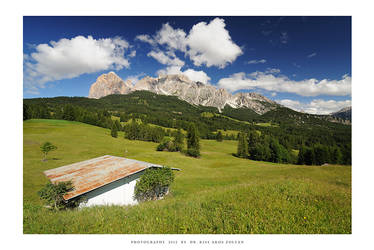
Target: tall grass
[{"x": 216, "y": 193}]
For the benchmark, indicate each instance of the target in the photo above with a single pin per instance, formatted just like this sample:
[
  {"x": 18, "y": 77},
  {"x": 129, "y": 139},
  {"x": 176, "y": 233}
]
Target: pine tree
[
  {"x": 123, "y": 117},
  {"x": 26, "y": 112},
  {"x": 242, "y": 145},
  {"x": 113, "y": 131},
  {"x": 118, "y": 125},
  {"x": 309, "y": 156},
  {"x": 179, "y": 140},
  {"x": 68, "y": 113},
  {"x": 320, "y": 154},
  {"x": 275, "y": 149},
  {"x": 132, "y": 131},
  {"x": 254, "y": 147},
  {"x": 336, "y": 156},
  {"x": 193, "y": 142},
  {"x": 301, "y": 156},
  {"x": 253, "y": 138},
  {"x": 219, "y": 136}
]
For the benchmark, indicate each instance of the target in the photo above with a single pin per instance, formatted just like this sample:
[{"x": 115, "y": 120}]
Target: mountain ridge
[
  {"x": 179, "y": 85},
  {"x": 344, "y": 113}
]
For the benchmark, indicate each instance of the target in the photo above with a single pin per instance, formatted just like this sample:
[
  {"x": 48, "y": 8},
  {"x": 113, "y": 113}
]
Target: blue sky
[{"x": 301, "y": 62}]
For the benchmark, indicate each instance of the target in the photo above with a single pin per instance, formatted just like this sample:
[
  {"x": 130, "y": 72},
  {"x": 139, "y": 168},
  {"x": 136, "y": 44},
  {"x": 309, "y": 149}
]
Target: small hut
[{"x": 106, "y": 180}]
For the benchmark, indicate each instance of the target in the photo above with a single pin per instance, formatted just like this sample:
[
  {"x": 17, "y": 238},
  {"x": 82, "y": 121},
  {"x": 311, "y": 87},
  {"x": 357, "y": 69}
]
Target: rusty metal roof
[{"x": 94, "y": 173}]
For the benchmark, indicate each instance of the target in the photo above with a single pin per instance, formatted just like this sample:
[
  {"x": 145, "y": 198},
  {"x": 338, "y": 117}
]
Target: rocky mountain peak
[
  {"x": 110, "y": 78},
  {"x": 180, "y": 85},
  {"x": 174, "y": 77},
  {"x": 345, "y": 109},
  {"x": 344, "y": 113},
  {"x": 110, "y": 83},
  {"x": 145, "y": 83}
]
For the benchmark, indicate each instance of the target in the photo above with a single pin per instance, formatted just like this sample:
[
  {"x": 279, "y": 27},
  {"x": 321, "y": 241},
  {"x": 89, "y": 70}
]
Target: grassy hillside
[{"x": 216, "y": 193}]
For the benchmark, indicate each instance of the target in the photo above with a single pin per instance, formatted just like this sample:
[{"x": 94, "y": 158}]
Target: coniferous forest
[{"x": 281, "y": 135}]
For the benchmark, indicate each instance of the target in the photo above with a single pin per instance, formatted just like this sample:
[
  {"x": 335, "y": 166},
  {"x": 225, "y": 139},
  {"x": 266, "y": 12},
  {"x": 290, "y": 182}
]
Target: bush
[
  {"x": 172, "y": 145},
  {"x": 193, "y": 152},
  {"x": 161, "y": 147},
  {"x": 153, "y": 184},
  {"x": 52, "y": 195},
  {"x": 166, "y": 144}
]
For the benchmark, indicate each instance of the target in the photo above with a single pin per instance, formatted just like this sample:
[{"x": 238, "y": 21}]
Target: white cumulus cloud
[
  {"x": 69, "y": 58},
  {"x": 146, "y": 39},
  {"x": 173, "y": 38},
  {"x": 207, "y": 44},
  {"x": 197, "y": 76},
  {"x": 211, "y": 44},
  {"x": 170, "y": 70},
  {"x": 317, "y": 106},
  {"x": 169, "y": 59},
  {"x": 280, "y": 83}
]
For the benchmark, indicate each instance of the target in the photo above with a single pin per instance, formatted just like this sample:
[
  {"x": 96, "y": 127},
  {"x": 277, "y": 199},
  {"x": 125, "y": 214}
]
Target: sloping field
[{"x": 216, "y": 193}]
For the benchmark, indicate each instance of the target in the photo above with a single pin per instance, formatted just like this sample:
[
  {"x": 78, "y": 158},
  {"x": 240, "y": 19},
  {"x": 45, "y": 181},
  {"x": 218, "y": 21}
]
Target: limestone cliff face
[
  {"x": 108, "y": 84},
  {"x": 258, "y": 103},
  {"x": 192, "y": 92}
]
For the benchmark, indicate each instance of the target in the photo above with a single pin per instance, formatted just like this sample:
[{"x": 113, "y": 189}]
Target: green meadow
[{"x": 214, "y": 194}]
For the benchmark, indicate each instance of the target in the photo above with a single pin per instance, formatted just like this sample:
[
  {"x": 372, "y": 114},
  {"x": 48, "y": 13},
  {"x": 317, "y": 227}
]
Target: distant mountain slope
[
  {"x": 345, "y": 114},
  {"x": 171, "y": 112},
  {"x": 195, "y": 93},
  {"x": 163, "y": 109}
]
